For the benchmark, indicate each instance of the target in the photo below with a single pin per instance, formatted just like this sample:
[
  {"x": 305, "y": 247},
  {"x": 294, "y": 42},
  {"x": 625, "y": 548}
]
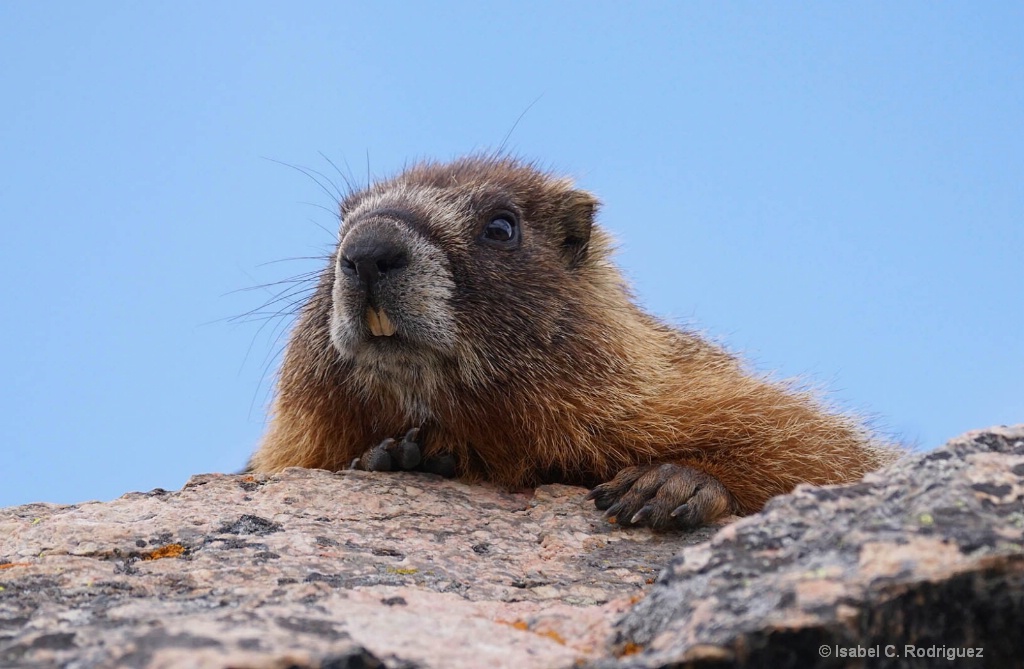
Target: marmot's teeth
[{"x": 379, "y": 323}]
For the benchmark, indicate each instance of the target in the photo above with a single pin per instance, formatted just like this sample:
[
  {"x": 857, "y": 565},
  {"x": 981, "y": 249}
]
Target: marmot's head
[{"x": 467, "y": 267}]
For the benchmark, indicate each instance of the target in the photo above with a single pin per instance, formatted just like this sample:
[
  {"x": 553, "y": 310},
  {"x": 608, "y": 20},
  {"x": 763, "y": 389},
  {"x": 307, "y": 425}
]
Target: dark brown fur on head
[{"x": 526, "y": 360}]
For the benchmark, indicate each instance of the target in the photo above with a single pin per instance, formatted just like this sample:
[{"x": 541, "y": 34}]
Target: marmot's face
[{"x": 460, "y": 267}]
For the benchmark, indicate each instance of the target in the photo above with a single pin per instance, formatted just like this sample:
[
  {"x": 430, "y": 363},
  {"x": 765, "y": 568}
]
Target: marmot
[{"x": 474, "y": 305}]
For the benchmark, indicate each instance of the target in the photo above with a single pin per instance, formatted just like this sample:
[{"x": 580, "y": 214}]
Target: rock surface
[
  {"x": 928, "y": 553},
  {"x": 314, "y": 569}
]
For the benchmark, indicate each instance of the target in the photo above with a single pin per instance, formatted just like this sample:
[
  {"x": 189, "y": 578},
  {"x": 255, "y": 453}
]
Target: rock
[
  {"x": 926, "y": 556},
  {"x": 316, "y": 569}
]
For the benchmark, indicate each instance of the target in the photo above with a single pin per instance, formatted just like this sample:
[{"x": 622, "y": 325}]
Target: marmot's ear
[{"x": 577, "y": 220}]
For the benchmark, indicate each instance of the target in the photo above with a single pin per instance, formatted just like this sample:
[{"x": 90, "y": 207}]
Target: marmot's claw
[
  {"x": 643, "y": 514},
  {"x": 663, "y": 497},
  {"x": 606, "y": 494}
]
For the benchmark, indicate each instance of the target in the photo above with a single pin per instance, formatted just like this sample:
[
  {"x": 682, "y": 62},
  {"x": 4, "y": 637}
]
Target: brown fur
[{"x": 552, "y": 373}]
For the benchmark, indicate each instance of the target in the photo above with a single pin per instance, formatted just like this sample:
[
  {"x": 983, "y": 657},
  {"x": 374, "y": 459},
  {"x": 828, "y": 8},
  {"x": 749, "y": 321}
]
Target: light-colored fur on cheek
[{"x": 423, "y": 296}]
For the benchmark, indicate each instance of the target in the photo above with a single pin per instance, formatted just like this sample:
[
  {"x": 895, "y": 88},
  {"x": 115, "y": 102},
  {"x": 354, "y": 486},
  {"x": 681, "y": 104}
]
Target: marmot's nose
[{"x": 369, "y": 260}]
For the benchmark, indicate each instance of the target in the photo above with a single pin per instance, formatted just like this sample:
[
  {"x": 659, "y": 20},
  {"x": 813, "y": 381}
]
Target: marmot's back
[{"x": 477, "y": 301}]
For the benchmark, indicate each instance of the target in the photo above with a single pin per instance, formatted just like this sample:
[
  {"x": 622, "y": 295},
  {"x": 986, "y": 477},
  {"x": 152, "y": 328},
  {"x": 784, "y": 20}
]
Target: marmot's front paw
[
  {"x": 390, "y": 455},
  {"x": 663, "y": 497}
]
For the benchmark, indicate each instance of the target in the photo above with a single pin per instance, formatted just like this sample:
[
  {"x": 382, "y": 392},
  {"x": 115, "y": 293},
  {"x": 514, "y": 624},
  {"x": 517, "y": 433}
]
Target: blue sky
[{"x": 834, "y": 190}]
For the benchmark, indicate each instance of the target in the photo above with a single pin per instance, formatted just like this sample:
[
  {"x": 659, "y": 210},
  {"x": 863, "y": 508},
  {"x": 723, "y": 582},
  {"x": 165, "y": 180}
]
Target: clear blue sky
[{"x": 834, "y": 189}]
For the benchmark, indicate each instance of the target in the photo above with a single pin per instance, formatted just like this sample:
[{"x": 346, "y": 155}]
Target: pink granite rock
[
  {"x": 354, "y": 569},
  {"x": 314, "y": 569}
]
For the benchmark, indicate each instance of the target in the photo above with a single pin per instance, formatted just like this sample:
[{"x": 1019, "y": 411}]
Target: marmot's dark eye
[{"x": 502, "y": 231}]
